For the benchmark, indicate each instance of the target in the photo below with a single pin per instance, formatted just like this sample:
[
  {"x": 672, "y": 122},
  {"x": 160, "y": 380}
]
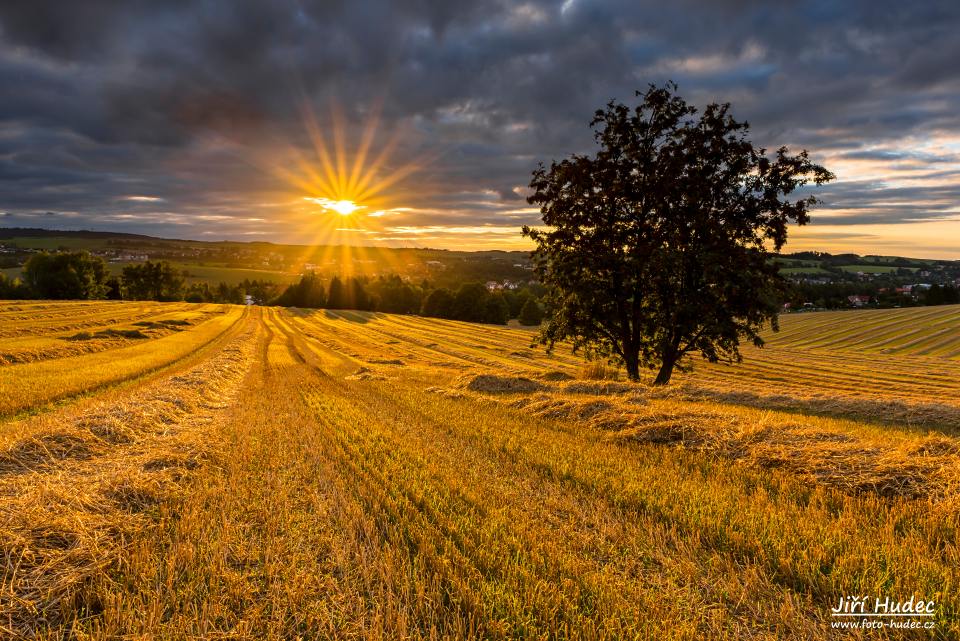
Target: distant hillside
[
  {"x": 269, "y": 261},
  {"x": 232, "y": 261}
]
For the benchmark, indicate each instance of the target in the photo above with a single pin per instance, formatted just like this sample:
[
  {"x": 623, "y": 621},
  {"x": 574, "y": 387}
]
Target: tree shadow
[{"x": 351, "y": 316}]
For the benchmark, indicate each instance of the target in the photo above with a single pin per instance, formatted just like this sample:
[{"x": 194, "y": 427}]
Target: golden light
[
  {"x": 347, "y": 173},
  {"x": 342, "y": 207}
]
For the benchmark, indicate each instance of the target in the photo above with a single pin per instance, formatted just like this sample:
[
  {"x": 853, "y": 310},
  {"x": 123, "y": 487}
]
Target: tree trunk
[
  {"x": 632, "y": 362},
  {"x": 666, "y": 370}
]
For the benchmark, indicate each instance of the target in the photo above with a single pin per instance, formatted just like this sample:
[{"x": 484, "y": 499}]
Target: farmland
[{"x": 204, "y": 471}]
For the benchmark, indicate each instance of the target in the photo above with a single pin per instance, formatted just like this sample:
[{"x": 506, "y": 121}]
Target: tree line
[
  {"x": 79, "y": 275},
  {"x": 391, "y": 294},
  {"x": 835, "y": 295}
]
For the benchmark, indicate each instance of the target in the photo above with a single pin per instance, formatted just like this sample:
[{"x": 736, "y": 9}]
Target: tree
[
  {"x": 263, "y": 291},
  {"x": 335, "y": 296},
  {"x": 951, "y": 296},
  {"x": 660, "y": 244},
  {"x": 114, "y": 290},
  {"x": 517, "y": 302},
  {"x": 66, "y": 275},
  {"x": 531, "y": 314},
  {"x": 395, "y": 296},
  {"x": 470, "y": 303},
  {"x": 438, "y": 304},
  {"x": 348, "y": 294},
  {"x": 307, "y": 292},
  {"x": 13, "y": 289},
  {"x": 198, "y": 293},
  {"x": 934, "y": 295},
  {"x": 496, "y": 310},
  {"x": 355, "y": 295},
  {"x": 158, "y": 281},
  {"x": 225, "y": 293}
]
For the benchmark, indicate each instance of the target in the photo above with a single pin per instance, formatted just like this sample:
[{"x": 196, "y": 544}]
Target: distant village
[
  {"x": 824, "y": 281},
  {"x": 498, "y": 270}
]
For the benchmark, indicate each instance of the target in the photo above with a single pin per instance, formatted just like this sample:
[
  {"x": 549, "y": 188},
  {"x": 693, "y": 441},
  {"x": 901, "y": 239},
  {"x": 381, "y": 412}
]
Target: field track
[{"x": 271, "y": 473}]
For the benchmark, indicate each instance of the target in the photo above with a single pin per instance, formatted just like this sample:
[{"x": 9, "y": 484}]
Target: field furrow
[
  {"x": 29, "y": 385},
  {"x": 349, "y": 475},
  {"x": 79, "y": 485}
]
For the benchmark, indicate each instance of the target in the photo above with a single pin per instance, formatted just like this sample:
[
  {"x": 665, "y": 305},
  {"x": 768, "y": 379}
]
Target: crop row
[{"x": 110, "y": 359}]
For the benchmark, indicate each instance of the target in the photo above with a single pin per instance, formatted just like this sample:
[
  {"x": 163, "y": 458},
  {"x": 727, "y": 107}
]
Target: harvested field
[{"x": 284, "y": 474}]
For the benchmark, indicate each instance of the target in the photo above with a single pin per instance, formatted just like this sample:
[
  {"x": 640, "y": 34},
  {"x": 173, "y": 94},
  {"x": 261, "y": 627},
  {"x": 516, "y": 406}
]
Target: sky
[{"x": 249, "y": 120}]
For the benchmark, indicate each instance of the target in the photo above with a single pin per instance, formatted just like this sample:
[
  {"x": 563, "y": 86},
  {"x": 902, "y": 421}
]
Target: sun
[{"x": 342, "y": 207}]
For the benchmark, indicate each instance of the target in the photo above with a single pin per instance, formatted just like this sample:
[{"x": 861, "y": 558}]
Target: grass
[
  {"x": 211, "y": 274},
  {"x": 231, "y": 275},
  {"x": 368, "y": 476},
  {"x": 793, "y": 271},
  {"x": 26, "y": 385},
  {"x": 875, "y": 269}
]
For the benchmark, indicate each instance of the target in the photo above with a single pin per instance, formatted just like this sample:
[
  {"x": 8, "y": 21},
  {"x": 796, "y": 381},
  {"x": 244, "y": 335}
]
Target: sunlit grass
[{"x": 347, "y": 475}]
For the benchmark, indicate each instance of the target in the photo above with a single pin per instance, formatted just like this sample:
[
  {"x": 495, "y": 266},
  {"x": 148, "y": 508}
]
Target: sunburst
[{"x": 357, "y": 180}]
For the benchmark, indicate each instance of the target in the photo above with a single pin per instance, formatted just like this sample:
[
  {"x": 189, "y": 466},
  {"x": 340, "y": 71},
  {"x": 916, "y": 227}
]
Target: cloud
[{"x": 117, "y": 106}]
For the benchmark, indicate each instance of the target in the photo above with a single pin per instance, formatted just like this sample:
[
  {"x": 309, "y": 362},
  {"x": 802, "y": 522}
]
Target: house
[
  {"x": 858, "y": 300},
  {"x": 131, "y": 258}
]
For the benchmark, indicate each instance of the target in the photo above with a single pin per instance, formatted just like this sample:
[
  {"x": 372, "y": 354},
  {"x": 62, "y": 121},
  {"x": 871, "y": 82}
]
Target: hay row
[
  {"x": 926, "y": 468},
  {"x": 13, "y": 352},
  {"x": 75, "y": 495}
]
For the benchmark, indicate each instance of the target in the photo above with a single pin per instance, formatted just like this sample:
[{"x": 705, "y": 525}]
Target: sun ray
[
  {"x": 346, "y": 182},
  {"x": 369, "y": 130},
  {"x": 320, "y": 148},
  {"x": 340, "y": 152}
]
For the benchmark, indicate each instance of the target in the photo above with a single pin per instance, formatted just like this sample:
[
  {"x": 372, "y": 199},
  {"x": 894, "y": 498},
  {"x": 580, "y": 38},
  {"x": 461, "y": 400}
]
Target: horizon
[
  {"x": 420, "y": 127},
  {"x": 786, "y": 252}
]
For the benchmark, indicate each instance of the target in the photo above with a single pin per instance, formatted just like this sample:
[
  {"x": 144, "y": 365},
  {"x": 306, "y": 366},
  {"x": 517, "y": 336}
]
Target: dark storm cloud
[{"x": 178, "y": 102}]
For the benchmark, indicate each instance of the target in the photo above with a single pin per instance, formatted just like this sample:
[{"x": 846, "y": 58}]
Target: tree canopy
[
  {"x": 159, "y": 281},
  {"x": 660, "y": 244},
  {"x": 531, "y": 314},
  {"x": 307, "y": 292},
  {"x": 438, "y": 303},
  {"x": 68, "y": 275}
]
